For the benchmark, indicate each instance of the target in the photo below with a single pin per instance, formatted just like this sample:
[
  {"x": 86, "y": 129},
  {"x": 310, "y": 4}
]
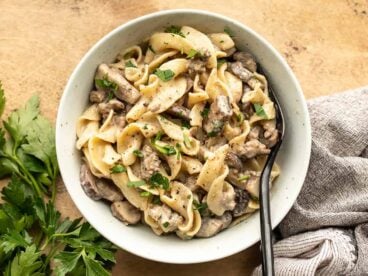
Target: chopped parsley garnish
[
  {"x": 110, "y": 96},
  {"x": 145, "y": 194},
  {"x": 166, "y": 149},
  {"x": 138, "y": 153},
  {"x": 174, "y": 30},
  {"x": 205, "y": 112},
  {"x": 177, "y": 147},
  {"x": 185, "y": 124},
  {"x": 151, "y": 49},
  {"x": 212, "y": 134},
  {"x": 260, "y": 111},
  {"x": 105, "y": 84},
  {"x": 220, "y": 61},
  {"x": 118, "y": 169},
  {"x": 129, "y": 63},
  {"x": 243, "y": 177},
  {"x": 158, "y": 136},
  {"x": 166, "y": 224},
  {"x": 145, "y": 126},
  {"x": 192, "y": 53},
  {"x": 158, "y": 180},
  {"x": 156, "y": 200},
  {"x": 164, "y": 75},
  {"x": 228, "y": 31},
  {"x": 201, "y": 207},
  {"x": 135, "y": 184},
  {"x": 186, "y": 140},
  {"x": 240, "y": 117},
  {"x": 221, "y": 41}
]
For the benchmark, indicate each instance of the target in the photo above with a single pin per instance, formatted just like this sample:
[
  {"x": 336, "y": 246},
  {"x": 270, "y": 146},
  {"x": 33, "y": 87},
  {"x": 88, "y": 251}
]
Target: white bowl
[{"x": 293, "y": 158}]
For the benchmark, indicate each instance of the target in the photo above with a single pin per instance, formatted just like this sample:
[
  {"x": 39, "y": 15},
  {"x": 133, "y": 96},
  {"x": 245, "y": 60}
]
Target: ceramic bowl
[{"x": 293, "y": 157}]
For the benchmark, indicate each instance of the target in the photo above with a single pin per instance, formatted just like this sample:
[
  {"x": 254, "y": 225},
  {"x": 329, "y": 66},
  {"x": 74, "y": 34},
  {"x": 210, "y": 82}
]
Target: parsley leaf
[
  {"x": 221, "y": 61},
  {"x": 26, "y": 262},
  {"x": 145, "y": 194},
  {"x": 174, "y": 30},
  {"x": 205, "y": 112},
  {"x": 118, "y": 169},
  {"x": 151, "y": 49},
  {"x": 135, "y": 184},
  {"x": 186, "y": 140},
  {"x": 129, "y": 63},
  {"x": 260, "y": 111},
  {"x": 243, "y": 177},
  {"x": 105, "y": 84},
  {"x": 164, "y": 75},
  {"x": 158, "y": 180},
  {"x": 2, "y": 100},
  {"x": 228, "y": 31},
  {"x": 201, "y": 207},
  {"x": 166, "y": 224},
  {"x": 138, "y": 153},
  {"x": 192, "y": 53}
]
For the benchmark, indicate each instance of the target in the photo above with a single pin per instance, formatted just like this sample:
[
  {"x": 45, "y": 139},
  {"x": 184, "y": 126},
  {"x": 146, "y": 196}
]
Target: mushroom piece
[
  {"x": 108, "y": 190},
  {"x": 242, "y": 73},
  {"x": 105, "y": 108},
  {"x": 247, "y": 109},
  {"x": 241, "y": 199},
  {"x": 88, "y": 182},
  {"x": 220, "y": 112},
  {"x": 125, "y": 91},
  {"x": 125, "y": 212},
  {"x": 247, "y": 60},
  {"x": 150, "y": 162},
  {"x": 179, "y": 111},
  {"x": 165, "y": 217},
  {"x": 196, "y": 66},
  {"x": 212, "y": 225},
  {"x": 234, "y": 161},
  {"x": 98, "y": 188},
  {"x": 97, "y": 96}
]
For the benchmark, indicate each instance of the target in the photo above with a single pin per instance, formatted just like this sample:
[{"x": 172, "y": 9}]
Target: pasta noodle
[{"x": 182, "y": 126}]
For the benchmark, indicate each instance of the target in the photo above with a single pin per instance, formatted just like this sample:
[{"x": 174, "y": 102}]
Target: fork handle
[{"x": 265, "y": 215}]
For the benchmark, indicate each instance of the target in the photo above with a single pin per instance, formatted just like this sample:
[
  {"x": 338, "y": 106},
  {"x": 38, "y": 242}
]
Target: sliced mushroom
[
  {"x": 125, "y": 212},
  {"x": 109, "y": 191},
  {"x": 150, "y": 162},
  {"x": 220, "y": 112},
  {"x": 242, "y": 73},
  {"x": 213, "y": 225},
  {"x": 247, "y": 60},
  {"x": 179, "y": 111},
  {"x": 247, "y": 109},
  {"x": 88, "y": 183},
  {"x": 97, "y": 96},
  {"x": 105, "y": 108},
  {"x": 233, "y": 161},
  {"x": 241, "y": 199},
  {"x": 125, "y": 91}
]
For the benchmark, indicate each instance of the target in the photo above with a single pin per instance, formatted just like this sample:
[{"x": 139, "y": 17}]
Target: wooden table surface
[{"x": 325, "y": 43}]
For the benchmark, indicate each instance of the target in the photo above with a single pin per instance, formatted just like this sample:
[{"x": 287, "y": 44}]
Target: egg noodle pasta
[{"x": 180, "y": 126}]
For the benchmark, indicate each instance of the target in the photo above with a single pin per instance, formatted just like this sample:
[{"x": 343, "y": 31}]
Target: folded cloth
[{"x": 326, "y": 231}]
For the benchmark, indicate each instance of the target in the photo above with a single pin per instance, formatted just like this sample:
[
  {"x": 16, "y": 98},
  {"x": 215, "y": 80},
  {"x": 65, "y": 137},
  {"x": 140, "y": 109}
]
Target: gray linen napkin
[{"x": 326, "y": 231}]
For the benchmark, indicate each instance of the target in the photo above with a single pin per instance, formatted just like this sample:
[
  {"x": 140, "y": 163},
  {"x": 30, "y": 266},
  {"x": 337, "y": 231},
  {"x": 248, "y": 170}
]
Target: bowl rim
[{"x": 274, "y": 52}]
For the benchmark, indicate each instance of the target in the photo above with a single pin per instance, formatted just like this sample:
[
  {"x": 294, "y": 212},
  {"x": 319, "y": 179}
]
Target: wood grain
[{"x": 325, "y": 42}]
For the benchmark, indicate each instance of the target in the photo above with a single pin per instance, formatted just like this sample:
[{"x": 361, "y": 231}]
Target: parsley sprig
[
  {"x": 33, "y": 235},
  {"x": 174, "y": 30}
]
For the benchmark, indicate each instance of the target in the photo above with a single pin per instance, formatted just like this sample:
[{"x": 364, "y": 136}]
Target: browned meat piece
[
  {"x": 165, "y": 217},
  {"x": 233, "y": 161},
  {"x": 247, "y": 109},
  {"x": 230, "y": 52},
  {"x": 125, "y": 212},
  {"x": 108, "y": 190},
  {"x": 254, "y": 133},
  {"x": 150, "y": 162},
  {"x": 270, "y": 133},
  {"x": 88, "y": 183},
  {"x": 241, "y": 199},
  {"x": 119, "y": 121},
  {"x": 251, "y": 149},
  {"x": 105, "y": 108},
  {"x": 241, "y": 72},
  {"x": 179, "y": 111},
  {"x": 125, "y": 91},
  {"x": 247, "y": 60},
  {"x": 97, "y": 96},
  {"x": 196, "y": 66},
  {"x": 212, "y": 225},
  {"x": 220, "y": 112}
]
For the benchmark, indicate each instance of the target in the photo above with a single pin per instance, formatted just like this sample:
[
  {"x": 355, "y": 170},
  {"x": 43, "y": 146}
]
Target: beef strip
[
  {"x": 97, "y": 96},
  {"x": 125, "y": 91},
  {"x": 242, "y": 73},
  {"x": 220, "y": 112},
  {"x": 150, "y": 162}
]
